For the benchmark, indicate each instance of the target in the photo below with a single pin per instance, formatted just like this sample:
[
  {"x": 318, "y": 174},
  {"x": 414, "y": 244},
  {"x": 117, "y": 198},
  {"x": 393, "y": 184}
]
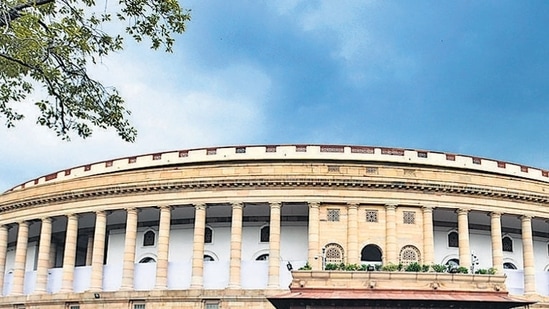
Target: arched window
[
  {"x": 264, "y": 234},
  {"x": 370, "y": 253},
  {"x": 147, "y": 259},
  {"x": 453, "y": 239},
  {"x": 208, "y": 258},
  {"x": 208, "y": 235},
  {"x": 149, "y": 238},
  {"x": 507, "y": 243},
  {"x": 334, "y": 254},
  {"x": 263, "y": 257},
  {"x": 508, "y": 265},
  {"x": 453, "y": 265},
  {"x": 409, "y": 254}
]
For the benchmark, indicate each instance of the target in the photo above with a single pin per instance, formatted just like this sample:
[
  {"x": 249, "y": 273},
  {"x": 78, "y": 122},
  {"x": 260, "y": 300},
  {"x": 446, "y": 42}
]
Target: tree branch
[
  {"x": 50, "y": 84},
  {"x": 15, "y": 12}
]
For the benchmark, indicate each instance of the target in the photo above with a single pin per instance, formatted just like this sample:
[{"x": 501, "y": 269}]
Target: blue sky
[{"x": 468, "y": 77}]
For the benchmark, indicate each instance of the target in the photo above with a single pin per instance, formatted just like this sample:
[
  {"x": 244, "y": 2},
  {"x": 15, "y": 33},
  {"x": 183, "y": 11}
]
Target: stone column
[
  {"x": 69, "y": 255},
  {"x": 236, "y": 246},
  {"x": 3, "y": 251},
  {"x": 98, "y": 252},
  {"x": 390, "y": 237},
  {"x": 528, "y": 256},
  {"x": 89, "y": 250},
  {"x": 314, "y": 245},
  {"x": 463, "y": 232},
  {"x": 163, "y": 247},
  {"x": 20, "y": 259},
  {"x": 274, "y": 246},
  {"x": 43, "y": 257},
  {"x": 129, "y": 249},
  {"x": 197, "y": 277},
  {"x": 352, "y": 234},
  {"x": 497, "y": 246},
  {"x": 428, "y": 236}
]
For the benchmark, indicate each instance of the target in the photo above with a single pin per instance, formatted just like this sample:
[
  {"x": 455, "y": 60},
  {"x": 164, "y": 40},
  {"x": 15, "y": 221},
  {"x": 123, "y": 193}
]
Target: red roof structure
[{"x": 390, "y": 298}]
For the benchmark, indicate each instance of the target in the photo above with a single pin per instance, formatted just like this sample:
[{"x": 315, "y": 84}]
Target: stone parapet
[{"x": 397, "y": 281}]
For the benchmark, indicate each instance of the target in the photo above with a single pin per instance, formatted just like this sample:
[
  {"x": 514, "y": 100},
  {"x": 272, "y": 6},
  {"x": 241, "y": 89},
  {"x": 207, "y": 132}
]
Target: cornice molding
[{"x": 236, "y": 184}]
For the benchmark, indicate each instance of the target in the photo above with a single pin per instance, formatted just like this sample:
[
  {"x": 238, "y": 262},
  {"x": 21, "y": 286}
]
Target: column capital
[
  {"x": 72, "y": 216},
  {"x": 200, "y": 206},
  {"x": 131, "y": 210},
  {"x": 237, "y": 205},
  {"x": 525, "y": 218},
  {"x": 46, "y": 219},
  {"x": 462, "y": 211},
  {"x": 164, "y": 206},
  {"x": 495, "y": 214},
  {"x": 314, "y": 204},
  {"x": 391, "y": 206},
  {"x": 352, "y": 205},
  {"x": 275, "y": 204},
  {"x": 428, "y": 208}
]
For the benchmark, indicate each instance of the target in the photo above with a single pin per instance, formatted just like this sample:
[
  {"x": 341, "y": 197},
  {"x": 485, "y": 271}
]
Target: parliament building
[{"x": 279, "y": 226}]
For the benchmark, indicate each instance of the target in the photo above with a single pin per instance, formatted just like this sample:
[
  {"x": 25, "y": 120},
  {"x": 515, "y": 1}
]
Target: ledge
[{"x": 397, "y": 281}]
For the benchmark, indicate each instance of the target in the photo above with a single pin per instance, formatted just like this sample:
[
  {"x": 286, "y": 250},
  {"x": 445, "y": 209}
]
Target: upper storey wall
[
  {"x": 291, "y": 173},
  {"x": 298, "y": 152}
]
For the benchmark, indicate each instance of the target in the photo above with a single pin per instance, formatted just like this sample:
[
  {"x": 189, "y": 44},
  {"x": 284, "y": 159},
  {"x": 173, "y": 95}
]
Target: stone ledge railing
[
  {"x": 289, "y": 152},
  {"x": 397, "y": 280}
]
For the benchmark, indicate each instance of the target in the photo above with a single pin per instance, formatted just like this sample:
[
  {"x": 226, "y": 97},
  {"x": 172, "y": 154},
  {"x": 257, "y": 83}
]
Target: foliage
[
  {"x": 462, "y": 270},
  {"x": 414, "y": 267},
  {"x": 307, "y": 266},
  {"x": 439, "y": 268},
  {"x": 351, "y": 267},
  {"x": 50, "y": 43},
  {"x": 483, "y": 271},
  {"x": 391, "y": 267},
  {"x": 425, "y": 268},
  {"x": 331, "y": 266}
]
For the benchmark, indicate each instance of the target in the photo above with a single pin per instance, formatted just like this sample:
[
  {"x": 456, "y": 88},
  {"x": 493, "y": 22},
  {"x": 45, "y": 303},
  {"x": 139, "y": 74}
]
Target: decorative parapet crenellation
[{"x": 293, "y": 152}]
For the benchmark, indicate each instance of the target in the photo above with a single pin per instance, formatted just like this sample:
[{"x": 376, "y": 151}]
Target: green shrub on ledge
[
  {"x": 413, "y": 267},
  {"x": 305, "y": 267},
  {"x": 439, "y": 268}
]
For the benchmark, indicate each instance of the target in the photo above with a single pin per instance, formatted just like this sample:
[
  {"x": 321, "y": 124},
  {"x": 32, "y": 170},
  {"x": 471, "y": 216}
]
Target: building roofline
[{"x": 292, "y": 152}]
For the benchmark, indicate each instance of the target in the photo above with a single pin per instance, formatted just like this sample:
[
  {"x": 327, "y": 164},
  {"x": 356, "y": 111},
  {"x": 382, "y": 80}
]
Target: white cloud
[{"x": 171, "y": 108}]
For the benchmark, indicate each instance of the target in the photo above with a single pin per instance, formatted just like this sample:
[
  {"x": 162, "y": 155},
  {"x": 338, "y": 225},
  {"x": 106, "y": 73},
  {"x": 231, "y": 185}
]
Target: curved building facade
[{"x": 228, "y": 227}]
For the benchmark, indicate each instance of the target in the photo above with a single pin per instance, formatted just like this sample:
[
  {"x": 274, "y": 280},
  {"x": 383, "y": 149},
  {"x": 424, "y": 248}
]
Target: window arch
[
  {"x": 264, "y": 234},
  {"x": 208, "y": 235},
  {"x": 149, "y": 238},
  {"x": 263, "y": 257},
  {"x": 409, "y": 254},
  {"x": 453, "y": 239},
  {"x": 507, "y": 244},
  {"x": 371, "y": 253},
  {"x": 333, "y": 253},
  {"x": 509, "y": 265},
  {"x": 147, "y": 259},
  {"x": 452, "y": 262},
  {"x": 208, "y": 258}
]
